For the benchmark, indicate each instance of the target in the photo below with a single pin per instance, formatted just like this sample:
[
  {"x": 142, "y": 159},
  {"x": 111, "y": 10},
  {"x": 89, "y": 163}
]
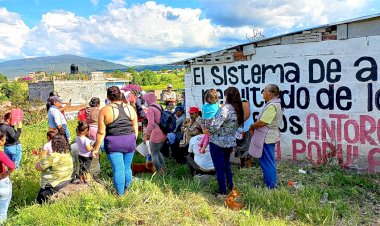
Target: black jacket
[{"x": 12, "y": 136}]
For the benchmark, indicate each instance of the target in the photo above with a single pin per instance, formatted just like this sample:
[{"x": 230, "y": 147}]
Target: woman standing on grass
[
  {"x": 6, "y": 167},
  {"x": 92, "y": 113},
  {"x": 266, "y": 133},
  {"x": 153, "y": 133},
  {"x": 12, "y": 146},
  {"x": 223, "y": 128},
  {"x": 56, "y": 168},
  {"x": 118, "y": 128}
]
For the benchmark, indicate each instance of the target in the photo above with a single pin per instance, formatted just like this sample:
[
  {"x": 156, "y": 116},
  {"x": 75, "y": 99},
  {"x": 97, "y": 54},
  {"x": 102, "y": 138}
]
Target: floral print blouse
[{"x": 223, "y": 127}]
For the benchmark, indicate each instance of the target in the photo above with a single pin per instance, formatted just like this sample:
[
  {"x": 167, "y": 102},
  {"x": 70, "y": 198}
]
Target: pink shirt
[
  {"x": 5, "y": 163},
  {"x": 153, "y": 130}
]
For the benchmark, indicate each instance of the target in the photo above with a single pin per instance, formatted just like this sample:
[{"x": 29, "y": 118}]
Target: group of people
[{"x": 204, "y": 141}]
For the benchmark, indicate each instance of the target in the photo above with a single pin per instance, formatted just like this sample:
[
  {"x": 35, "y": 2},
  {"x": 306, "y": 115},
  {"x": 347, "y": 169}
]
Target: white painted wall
[{"x": 357, "y": 132}]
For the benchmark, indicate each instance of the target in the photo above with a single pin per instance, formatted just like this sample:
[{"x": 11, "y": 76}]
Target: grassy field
[{"x": 176, "y": 199}]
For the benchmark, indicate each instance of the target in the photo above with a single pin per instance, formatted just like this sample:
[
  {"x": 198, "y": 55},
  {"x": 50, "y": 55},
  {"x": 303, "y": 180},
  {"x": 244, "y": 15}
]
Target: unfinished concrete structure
[{"x": 329, "y": 77}]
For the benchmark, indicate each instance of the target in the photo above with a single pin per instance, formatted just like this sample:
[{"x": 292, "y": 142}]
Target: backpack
[
  {"x": 167, "y": 122},
  {"x": 82, "y": 115}
]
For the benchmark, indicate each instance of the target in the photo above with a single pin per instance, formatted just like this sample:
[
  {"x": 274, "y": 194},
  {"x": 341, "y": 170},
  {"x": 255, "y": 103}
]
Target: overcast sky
[{"x": 151, "y": 32}]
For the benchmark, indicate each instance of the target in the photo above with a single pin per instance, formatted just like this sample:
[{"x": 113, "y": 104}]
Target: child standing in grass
[
  {"x": 208, "y": 110},
  {"x": 85, "y": 154},
  {"x": 6, "y": 167}
]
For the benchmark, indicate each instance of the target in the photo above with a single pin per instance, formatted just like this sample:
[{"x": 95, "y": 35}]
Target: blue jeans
[
  {"x": 221, "y": 159},
  {"x": 67, "y": 132},
  {"x": 5, "y": 197},
  {"x": 14, "y": 153},
  {"x": 268, "y": 165},
  {"x": 122, "y": 172}
]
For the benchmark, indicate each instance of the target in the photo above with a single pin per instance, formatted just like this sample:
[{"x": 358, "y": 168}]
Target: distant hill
[
  {"x": 15, "y": 68},
  {"x": 21, "y": 67}
]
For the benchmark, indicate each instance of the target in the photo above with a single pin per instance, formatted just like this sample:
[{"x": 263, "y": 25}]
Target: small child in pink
[
  {"x": 209, "y": 110},
  {"x": 47, "y": 147}
]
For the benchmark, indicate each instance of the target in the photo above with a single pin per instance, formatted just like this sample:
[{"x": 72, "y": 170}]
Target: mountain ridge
[{"x": 62, "y": 63}]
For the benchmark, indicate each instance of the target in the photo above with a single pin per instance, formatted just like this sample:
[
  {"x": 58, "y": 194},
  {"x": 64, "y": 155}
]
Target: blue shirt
[
  {"x": 209, "y": 110},
  {"x": 55, "y": 117}
]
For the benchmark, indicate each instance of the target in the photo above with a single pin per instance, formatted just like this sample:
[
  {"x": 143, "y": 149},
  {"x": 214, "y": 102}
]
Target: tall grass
[{"x": 176, "y": 199}]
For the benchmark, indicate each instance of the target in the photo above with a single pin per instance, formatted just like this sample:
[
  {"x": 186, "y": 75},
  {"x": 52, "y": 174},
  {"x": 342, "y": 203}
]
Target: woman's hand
[
  {"x": 95, "y": 153},
  {"x": 3, "y": 175},
  {"x": 205, "y": 130},
  {"x": 145, "y": 138}
]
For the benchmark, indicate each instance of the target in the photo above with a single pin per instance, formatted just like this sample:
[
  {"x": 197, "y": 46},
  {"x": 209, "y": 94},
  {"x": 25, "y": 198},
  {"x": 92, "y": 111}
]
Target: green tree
[
  {"x": 15, "y": 92},
  {"x": 118, "y": 74},
  {"x": 149, "y": 78},
  {"x": 3, "y": 78}
]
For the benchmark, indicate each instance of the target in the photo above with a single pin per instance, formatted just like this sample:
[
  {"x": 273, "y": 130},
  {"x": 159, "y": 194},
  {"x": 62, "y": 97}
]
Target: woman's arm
[
  {"x": 246, "y": 110},
  {"x": 215, "y": 123},
  {"x": 266, "y": 118},
  {"x": 38, "y": 167},
  {"x": 8, "y": 163},
  {"x": 134, "y": 119},
  {"x": 101, "y": 130}
]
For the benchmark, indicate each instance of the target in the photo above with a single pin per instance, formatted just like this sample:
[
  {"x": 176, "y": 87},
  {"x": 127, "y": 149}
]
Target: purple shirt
[{"x": 82, "y": 143}]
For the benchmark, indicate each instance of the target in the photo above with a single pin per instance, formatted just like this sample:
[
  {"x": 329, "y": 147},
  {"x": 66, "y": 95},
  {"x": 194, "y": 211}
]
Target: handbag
[{"x": 257, "y": 143}]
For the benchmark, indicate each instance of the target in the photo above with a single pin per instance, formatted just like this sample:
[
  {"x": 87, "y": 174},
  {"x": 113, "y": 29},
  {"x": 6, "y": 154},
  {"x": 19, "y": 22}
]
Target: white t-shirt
[
  {"x": 47, "y": 147},
  {"x": 82, "y": 143},
  {"x": 168, "y": 95},
  {"x": 202, "y": 160}
]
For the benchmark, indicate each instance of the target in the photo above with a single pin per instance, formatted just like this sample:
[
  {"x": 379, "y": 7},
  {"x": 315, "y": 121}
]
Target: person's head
[
  {"x": 194, "y": 112},
  {"x": 56, "y": 101},
  {"x": 149, "y": 98},
  {"x": 59, "y": 144},
  {"x": 82, "y": 128},
  {"x": 7, "y": 117},
  {"x": 94, "y": 102},
  {"x": 53, "y": 93},
  {"x": 233, "y": 97},
  {"x": 271, "y": 91},
  {"x": 114, "y": 94},
  {"x": 170, "y": 87},
  {"x": 2, "y": 138},
  {"x": 211, "y": 96},
  {"x": 179, "y": 110},
  {"x": 50, "y": 134}
]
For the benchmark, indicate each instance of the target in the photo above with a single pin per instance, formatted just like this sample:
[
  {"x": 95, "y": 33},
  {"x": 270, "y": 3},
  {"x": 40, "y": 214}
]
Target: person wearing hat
[
  {"x": 170, "y": 98},
  {"x": 48, "y": 103},
  {"x": 56, "y": 119},
  {"x": 190, "y": 128},
  {"x": 175, "y": 137}
]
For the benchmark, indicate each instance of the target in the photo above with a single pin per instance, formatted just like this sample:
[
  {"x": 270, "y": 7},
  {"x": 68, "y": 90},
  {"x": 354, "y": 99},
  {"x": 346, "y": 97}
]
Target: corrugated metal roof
[{"x": 358, "y": 19}]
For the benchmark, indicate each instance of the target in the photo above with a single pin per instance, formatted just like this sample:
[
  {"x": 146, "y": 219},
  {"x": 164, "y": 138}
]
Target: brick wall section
[
  {"x": 40, "y": 90},
  {"x": 81, "y": 92}
]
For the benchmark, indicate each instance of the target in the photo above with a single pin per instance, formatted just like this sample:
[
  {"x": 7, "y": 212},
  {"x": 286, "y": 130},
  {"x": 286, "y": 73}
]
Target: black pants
[
  {"x": 84, "y": 164},
  {"x": 180, "y": 153},
  {"x": 195, "y": 168},
  {"x": 44, "y": 193}
]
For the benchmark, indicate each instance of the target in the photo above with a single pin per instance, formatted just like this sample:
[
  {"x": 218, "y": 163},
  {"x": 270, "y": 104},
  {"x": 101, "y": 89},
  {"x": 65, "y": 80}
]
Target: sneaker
[{"x": 220, "y": 196}]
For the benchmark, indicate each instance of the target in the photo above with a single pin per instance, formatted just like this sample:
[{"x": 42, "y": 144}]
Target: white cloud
[
  {"x": 160, "y": 59},
  {"x": 282, "y": 14},
  {"x": 94, "y": 2},
  {"x": 146, "y": 27},
  {"x": 13, "y": 33},
  {"x": 154, "y": 33}
]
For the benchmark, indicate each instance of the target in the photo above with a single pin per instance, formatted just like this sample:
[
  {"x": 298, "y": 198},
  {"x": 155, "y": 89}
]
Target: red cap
[{"x": 193, "y": 109}]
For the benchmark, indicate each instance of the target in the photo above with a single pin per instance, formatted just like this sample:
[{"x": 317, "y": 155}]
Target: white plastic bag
[{"x": 143, "y": 149}]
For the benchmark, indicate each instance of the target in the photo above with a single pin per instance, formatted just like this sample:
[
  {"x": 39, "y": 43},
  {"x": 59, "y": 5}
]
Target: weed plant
[{"x": 174, "y": 198}]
